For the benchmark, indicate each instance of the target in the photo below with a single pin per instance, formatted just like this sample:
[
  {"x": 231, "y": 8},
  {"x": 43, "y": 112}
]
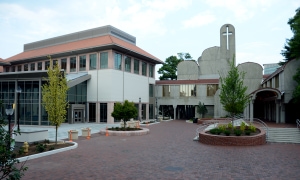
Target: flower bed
[
  {"x": 143, "y": 131},
  {"x": 252, "y": 140}
]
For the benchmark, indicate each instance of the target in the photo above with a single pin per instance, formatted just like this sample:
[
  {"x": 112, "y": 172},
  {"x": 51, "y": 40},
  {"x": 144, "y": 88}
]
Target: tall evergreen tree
[
  {"x": 233, "y": 93},
  {"x": 54, "y": 96},
  {"x": 292, "y": 51},
  {"x": 169, "y": 68},
  {"x": 292, "y": 46}
]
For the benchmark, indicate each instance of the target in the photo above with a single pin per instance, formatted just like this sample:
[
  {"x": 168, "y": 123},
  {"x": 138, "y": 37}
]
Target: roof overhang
[
  {"x": 115, "y": 47},
  {"x": 23, "y": 75}
]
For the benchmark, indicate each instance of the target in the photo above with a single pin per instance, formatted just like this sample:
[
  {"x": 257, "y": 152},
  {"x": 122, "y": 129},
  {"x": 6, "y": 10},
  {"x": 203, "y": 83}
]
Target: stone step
[{"x": 284, "y": 135}]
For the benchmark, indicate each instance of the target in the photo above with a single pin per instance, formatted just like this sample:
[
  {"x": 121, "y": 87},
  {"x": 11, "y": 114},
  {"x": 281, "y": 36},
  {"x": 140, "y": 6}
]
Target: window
[
  {"x": 118, "y": 61},
  {"x": 136, "y": 66},
  {"x": 188, "y": 90},
  {"x": 103, "y": 112},
  {"x": 25, "y": 67},
  {"x": 277, "y": 81},
  {"x": 144, "y": 68},
  {"x": 47, "y": 65},
  {"x": 20, "y": 68},
  {"x": 104, "y": 60},
  {"x": 6, "y": 69},
  {"x": 151, "y": 111},
  {"x": 40, "y": 65},
  {"x": 151, "y": 68},
  {"x": 54, "y": 62},
  {"x": 82, "y": 63},
  {"x": 32, "y": 67},
  {"x": 72, "y": 64},
  {"x": 13, "y": 69},
  {"x": 63, "y": 63},
  {"x": 127, "y": 64},
  {"x": 166, "y": 91},
  {"x": 93, "y": 61},
  {"x": 150, "y": 90},
  {"x": 211, "y": 89}
]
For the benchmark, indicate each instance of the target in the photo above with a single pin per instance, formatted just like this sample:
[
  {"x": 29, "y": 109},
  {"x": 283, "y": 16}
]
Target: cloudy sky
[{"x": 162, "y": 27}]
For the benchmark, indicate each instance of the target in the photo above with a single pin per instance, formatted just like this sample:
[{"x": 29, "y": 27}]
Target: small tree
[
  {"x": 124, "y": 111},
  {"x": 233, "y": 93},
  {"x": 8, "y": 161},
  {"x": 201, "y": 109},
  {"x": 54, "y": 96}
]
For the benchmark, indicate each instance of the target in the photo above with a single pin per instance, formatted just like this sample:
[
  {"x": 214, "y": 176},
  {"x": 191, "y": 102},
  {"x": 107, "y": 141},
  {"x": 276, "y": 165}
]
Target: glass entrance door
[{"x": 78, "y": 115}]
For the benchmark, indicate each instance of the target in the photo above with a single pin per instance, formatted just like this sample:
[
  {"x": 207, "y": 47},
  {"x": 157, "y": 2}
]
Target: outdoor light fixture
[
  {"x": 19, "y": 90},
  {"x": 9, "y": 111}
]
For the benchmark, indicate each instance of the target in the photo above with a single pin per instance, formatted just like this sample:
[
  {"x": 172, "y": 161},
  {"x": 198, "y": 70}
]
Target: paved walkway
[
  {"x": 168, "y": 152},
  {"x": 64, "y": 128}
]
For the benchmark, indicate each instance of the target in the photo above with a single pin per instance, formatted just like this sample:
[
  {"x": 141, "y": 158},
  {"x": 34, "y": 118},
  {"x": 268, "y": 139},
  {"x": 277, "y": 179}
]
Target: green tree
[
  {"x": 184, "y": 56},
  {"x": 233, "y": 93},
  {"x": 201, "y": 109},
  {"x": 124, "y": 111},
  {"x": 296, "y": 92},
  {"x": 291, "y": 48},
  {"x": 8, "y": 160},
  {"x": 54, "y": 96},
  {"x": 169, "y": 68}
]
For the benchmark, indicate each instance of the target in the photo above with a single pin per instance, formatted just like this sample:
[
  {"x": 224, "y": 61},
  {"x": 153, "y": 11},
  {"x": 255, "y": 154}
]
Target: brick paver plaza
[{"x": 168, "y": 152}]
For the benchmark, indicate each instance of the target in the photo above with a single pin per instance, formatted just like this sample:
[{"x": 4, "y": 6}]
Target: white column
[
  {"x": 251, "y": 110},
  {"x": 282, "y": 113},
  {"x": 110, "y": 109},
  {"x": 277, "y": 111},
  {"x": 147, "y": 111}
]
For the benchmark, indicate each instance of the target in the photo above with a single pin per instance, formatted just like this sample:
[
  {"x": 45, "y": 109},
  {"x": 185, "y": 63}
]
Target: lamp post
[
  {"x": 19, "y": 90},
  {"x": 9, "y": 111}
]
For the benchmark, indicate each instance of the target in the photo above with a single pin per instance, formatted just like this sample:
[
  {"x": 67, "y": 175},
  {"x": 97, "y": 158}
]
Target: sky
[{"x": 161, "y": 27}]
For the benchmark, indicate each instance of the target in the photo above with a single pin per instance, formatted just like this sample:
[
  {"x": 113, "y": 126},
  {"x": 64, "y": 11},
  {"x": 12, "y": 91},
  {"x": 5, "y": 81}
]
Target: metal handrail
[
  {"x": 298, "y": 123},
  {"x": 201, "y": 127},
  {"x": 255, "y": 120}
]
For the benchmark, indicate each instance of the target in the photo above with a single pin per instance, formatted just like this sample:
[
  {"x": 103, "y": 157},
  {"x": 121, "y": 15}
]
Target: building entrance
[{"x": 78, "y": 115}]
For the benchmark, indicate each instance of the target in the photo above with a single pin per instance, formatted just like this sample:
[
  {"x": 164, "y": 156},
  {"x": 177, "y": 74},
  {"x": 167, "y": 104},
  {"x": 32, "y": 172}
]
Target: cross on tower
[{"x": 227, "y": 34}]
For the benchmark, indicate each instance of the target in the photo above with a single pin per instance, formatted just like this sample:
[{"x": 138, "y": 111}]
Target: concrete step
[{"x": 284, "y": 135}]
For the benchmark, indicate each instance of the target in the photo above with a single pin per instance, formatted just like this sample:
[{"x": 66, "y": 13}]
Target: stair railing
[{"x": 259, "y": 123}]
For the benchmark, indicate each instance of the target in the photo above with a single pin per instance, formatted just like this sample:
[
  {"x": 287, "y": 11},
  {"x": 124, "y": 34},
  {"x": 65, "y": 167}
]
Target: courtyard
[{"x": 168, "y": 152}]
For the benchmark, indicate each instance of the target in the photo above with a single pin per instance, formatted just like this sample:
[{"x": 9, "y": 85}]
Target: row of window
[
  {"x": 272, "y": 83},
  {"x": 188, "y": 90},
  {"x": 103, "y": 64}
]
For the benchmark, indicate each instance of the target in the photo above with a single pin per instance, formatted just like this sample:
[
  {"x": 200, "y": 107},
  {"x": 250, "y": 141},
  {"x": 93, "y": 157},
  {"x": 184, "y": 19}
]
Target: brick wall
[{"x": 210, "y": 139}]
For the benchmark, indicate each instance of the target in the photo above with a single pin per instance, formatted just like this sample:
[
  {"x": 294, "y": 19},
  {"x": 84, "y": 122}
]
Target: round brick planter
[
  {"x": 144, "y": 131},
  {"x": 258, "y": 139}
]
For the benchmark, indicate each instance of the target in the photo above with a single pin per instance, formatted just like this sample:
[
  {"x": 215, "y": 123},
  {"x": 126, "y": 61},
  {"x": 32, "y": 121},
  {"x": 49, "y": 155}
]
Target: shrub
[
  {"x": 252, "y": 128},
  {"x": 243, "y": 126},
  {"x": 215, "y": 131},
  {"x": 21, "y": 151},
  {"x": 51, "y": 148},
  {"x": 227, "y": 132},
  {"x": 222, "y": 127},
  {"x": 229, "y": 125},
  {"x": 41, "y": 147},
  {"x": 237, "y": 132},
  {"x": 46, "y": 141},
  {"x": 247, "y": 132}
]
